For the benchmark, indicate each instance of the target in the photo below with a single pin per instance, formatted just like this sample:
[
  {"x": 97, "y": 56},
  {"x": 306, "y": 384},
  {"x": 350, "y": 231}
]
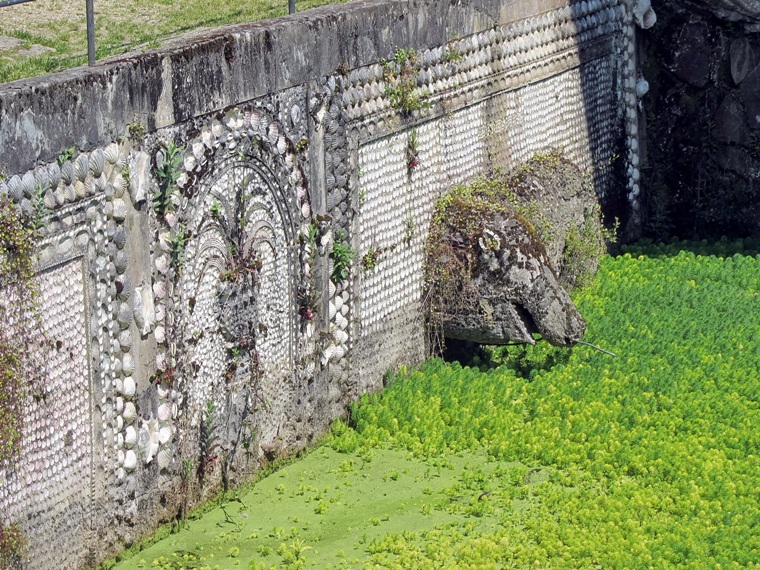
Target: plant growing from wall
[
  {"x": 412, "y": 152},
  {"x": 178, "y": 242},
  {"x": 167, "y": 172},
  {"x": 19, "y": 368},
  {"x": 400, "y": 77},
  {"x": 342, "y": 254},
  {"x": 66, "y": 155},
  {"x": 369, "y": 260}
]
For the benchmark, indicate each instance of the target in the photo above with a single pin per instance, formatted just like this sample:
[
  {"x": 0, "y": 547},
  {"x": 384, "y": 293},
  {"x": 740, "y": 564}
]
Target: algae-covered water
[{"x": 330, "y": 510}]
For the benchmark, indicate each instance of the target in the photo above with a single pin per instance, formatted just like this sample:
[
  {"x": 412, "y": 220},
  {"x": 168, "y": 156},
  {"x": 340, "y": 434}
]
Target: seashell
[
  {"x": 282, "y": 145},
  {"x": 130, "y": 437},
  {"x": 162, "y": 391},
  {"x": 162, "y": 265},
  {"x": 128, "y": 387},
  {"x": 327, "y": 354},
  {"x": 341, "y": 321},
  {"x": 164, "y": 458},
  {"x": 124, "y": 316},
  {"x": 338, "y": 302},
  {"x": 331, "y": 288},
  {"x": 28, "y": 185},
  {"x": 119, "y": 423},
  {"x": 128, "y": 367},
  {"x": 67, "y": 172},
  {"x": 119, "y": 405},
  {"x": 119, "y": 184},
  {"x": 159, "y": 289},
  {"x": 14, "y": 188},
  {"x": 41, "y": 177},
  {"x": 189, "y": 163},
  {"x": 130, "y": 461},
  {"x": 49, "y": 200},
  {"x": 341, "y": 336},
  {"x": 125, "y": 340},
  {"x": 111, "y": 153},
  {"x": 54, "y": 174},
  {"x": 80, "y": 189},
  {"x": 165, "y": 412},
  {"x": 164, "y": 435},
  {"x": 120, "y": 237},
  {"x": 217, "y": 129},
  {"x": 160, "y": 334},
  {"x": 70, "y": 193},
  {"x": 121, "y": 261},
  {"x": 273, "y": 132},
  {"x": 97, "y": 162},
  {"x": 339, "y": 352},
  {"x": 81, "y": 167},
  {"x": 305, "y": 210},
  {"x": 331, "y": 310},
  {"x": 171, "y": 219},
  {"x": 120, "y": 456},
  {"x": 119, "y": 210}
]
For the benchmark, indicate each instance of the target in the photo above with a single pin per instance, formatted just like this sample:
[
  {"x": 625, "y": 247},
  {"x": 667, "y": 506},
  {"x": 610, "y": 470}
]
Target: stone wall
[{"x": 196, "y": 337}]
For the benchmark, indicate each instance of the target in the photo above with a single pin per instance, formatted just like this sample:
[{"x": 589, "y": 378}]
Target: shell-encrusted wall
[{"x": 201, "y": 328}]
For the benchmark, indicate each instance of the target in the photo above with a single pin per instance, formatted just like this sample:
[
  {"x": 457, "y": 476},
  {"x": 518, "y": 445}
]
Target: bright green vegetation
[
  {"x": 558, "y": 458},
  {"x": 121, "y": 26}
]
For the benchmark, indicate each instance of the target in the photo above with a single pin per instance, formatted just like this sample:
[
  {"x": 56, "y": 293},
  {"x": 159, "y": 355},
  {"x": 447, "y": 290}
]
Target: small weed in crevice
[
  {"x": 342, "y": 254},
  {"x": 167, "y": 172}
]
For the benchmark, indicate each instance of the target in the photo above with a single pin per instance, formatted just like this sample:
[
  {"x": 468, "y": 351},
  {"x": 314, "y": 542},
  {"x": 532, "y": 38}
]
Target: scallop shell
[
  {"x": 305, "y": 210},
  {"x": 160, "y": 334},
  {"x": 80, "y": 189},
  {"x": 28, "y": 185},
  {"x": 341, "y": 336},
  {"x": 121, "y": 262},
  {"x": 162, "y": 265},
  {"x": 282, "y": 145},
  {"x": 125, "y": 340},
  {"x": 120, "y": 237},
  {"x": 130, "y": 460},
  {"x": 130, "y": 437},
  {"x": 164, "y": 435},
  {"x": 339, "y": 352},
  {"x": 81, "y": 167},
  {"x": 70, "y": 193},
  {"x": 67, "y": 172},
  {"x": 128, "y": 367},
  {"x": 49, "y": 200},
  {"x": 118, "y": 183},
  {"x": 111, "y": 153},
  {"x": 332, "y": 310},
  {"x": 327, "y": 354},
  {"x": 165, "y": 412},
  {"x": 97, "y": 162},
  {"x": 159, "y": 289},
  {"x": 119, "y": 210},
  {"x": 164, "y": 458},
  {"x": 54, "y": 173},
  {"x": 128, "y": 388}
]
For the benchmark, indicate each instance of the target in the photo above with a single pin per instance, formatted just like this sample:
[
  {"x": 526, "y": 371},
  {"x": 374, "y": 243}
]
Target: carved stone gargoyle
[
  {"x": 501, "y": 252},
  {"x": 518, "y": 293}
]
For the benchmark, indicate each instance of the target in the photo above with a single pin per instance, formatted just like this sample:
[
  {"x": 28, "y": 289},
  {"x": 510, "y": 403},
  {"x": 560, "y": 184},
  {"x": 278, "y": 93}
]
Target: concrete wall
[{"x": 189, "y": 348}]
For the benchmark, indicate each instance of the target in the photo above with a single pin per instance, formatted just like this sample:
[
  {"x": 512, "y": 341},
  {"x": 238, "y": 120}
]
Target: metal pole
[
  {"x": 291, "y": 6},
  {"x": 90, "y": 32}
]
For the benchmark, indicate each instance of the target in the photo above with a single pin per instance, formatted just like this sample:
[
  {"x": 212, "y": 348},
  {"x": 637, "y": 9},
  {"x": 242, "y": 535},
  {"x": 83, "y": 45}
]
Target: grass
[
  {"x": 548, "y": 457},
  {"x": 120, "y": 27}
]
